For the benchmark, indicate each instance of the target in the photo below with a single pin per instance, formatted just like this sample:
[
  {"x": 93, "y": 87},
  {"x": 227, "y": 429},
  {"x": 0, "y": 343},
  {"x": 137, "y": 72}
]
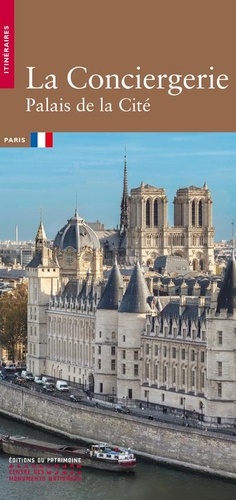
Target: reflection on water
[{"x": 149, "y": 482}]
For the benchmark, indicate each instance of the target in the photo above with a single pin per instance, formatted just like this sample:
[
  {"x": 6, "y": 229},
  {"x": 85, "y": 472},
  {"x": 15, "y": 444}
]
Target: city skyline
[{"x": 85, "y": 171}]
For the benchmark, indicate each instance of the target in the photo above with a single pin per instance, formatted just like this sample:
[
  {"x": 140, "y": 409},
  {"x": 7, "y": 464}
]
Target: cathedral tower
[
  {"x": 193, "y": 214},
  {"x": 147, "y": 224}
]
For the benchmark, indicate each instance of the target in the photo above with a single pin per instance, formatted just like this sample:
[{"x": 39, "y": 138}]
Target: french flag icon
[{"x": 41, "y": 139}]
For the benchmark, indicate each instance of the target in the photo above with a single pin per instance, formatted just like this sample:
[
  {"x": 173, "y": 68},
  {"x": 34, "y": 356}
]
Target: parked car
[
  {"x": 48, "y": 387},
  {"x": 122, "y": 409},
  {"x": 73, "y": 399},
  {"x": 38, "y": 380},
  {"x": 47, "y": 379},
  {"x": 21, "y": 381},
  {"x": 27, "y": 375}
]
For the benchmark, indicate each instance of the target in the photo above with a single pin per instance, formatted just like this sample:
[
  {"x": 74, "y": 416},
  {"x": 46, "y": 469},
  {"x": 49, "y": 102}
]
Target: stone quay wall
[{"x": 179, "y": 446}]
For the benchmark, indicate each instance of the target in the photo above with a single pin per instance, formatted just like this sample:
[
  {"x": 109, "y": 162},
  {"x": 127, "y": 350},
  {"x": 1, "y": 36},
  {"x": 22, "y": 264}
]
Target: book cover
[{"x": 97, "y": 98}]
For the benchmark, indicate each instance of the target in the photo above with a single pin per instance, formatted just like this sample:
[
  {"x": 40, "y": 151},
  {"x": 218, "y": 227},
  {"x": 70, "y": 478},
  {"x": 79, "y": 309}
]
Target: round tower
[
  {"x": 131, "y": 323},
  {"x": 106, "y": 335}
]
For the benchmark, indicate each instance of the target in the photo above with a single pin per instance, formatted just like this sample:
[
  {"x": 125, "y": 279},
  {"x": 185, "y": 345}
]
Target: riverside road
[{"x": 144, "y": 410}]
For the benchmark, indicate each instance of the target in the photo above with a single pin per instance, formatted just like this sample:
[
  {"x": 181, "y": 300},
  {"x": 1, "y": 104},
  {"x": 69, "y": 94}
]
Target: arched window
[
  {"x": 193, "y": 214},
  {"x": 155, "y": 213},
  {"x": 201, "y": 265},
  {"x": 148, "y": 213},
  {"x": 200, "y": 213}
]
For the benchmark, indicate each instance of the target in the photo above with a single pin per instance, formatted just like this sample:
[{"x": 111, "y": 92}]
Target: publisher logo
[{"x": 35, "y": 472}]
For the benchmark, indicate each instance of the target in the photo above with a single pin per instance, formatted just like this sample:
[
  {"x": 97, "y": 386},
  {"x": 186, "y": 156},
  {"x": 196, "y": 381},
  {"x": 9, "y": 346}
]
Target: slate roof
[
  {"x": 110, "y": 296},
  {"x": 71, "y": 289},
  {"x": 162, "y": 282},
  {"x": 135, "y": 299},
  {"x": 190, "y": 311},
  {"x": 170, "y": 264},
  {"x": 12, "y": 273},
  {"x": 227, "y": 294},
  {"x": 76, "y": 234},
  {"x": 75, "y": 289},
  {"x": 37, "y": 261}
]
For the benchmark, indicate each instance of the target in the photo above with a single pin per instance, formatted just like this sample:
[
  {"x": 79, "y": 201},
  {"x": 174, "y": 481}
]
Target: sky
[{"x": 85, "y": 170}]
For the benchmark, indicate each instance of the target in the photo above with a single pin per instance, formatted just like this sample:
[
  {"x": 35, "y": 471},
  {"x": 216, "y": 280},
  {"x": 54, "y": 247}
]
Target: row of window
[
  {"x": 113, "y": 350},
  {"x": 113, "y": 367},
  {"x": 73, "y": 329},
  {"x": 113, "y": 335},
  {"x": 135, "y": 370},
  {"x": 196, "y": 213},
  {"x": 174, "y": 352},
  {"x": 64, "y": 350},
  {"x": 113, "y": 364},
  {"x": 170, "y": 377},
  {"x": 135, "y": 355}
]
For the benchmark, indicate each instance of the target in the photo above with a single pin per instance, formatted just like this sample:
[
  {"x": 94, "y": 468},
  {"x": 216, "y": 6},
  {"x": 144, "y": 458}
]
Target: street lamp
[{"x": 201, "y": 408}]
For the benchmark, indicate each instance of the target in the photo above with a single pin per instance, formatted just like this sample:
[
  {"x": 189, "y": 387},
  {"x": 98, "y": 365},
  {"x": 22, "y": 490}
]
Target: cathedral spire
[{"x": 124, "y": 201}]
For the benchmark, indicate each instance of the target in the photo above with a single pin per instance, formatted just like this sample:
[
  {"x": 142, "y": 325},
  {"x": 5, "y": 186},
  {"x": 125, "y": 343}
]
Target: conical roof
[
  {"x": 136, "y": 295},
  {"x": 110, "y": 296},
  {"x": 41, "y": 234},
  {"x": 41, "y": 250},
  {"x": 227, "y": 294}
]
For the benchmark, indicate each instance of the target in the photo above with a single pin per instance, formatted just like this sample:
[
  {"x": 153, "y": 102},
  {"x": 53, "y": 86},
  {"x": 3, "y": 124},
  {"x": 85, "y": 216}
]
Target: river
[{"x": 149, "y": 482}]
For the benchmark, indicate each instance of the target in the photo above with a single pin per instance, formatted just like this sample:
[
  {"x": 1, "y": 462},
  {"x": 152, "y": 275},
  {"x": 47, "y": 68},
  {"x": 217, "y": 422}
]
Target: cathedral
[
  {"x": 144, "y": 222},
  {"x": 128, "y": 334}
]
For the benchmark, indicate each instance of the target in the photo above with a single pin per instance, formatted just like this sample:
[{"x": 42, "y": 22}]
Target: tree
[{"x": 13, "y": 320}]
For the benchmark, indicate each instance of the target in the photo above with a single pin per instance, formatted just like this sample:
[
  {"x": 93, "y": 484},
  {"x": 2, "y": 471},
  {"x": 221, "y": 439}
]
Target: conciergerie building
[{"x": 134, "y": 330}]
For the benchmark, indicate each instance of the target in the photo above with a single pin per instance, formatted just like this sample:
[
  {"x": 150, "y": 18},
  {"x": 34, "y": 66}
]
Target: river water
[{"x": 149, "y": 482}]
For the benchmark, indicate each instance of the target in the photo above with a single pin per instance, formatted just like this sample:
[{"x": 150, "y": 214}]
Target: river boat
[{"x": 98, "y": 456}]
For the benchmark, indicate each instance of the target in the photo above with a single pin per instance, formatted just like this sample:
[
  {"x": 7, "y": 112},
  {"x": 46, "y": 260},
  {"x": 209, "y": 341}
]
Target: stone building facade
[
  {"x": 174, "y": 351},
  {"x": 149, "y": 234},
  {"x": 123, "y": 338},
  {"x": 62, "y": 301}
]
